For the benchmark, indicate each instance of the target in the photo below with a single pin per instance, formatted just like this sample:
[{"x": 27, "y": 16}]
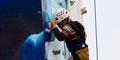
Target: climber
[{"x": 72, "y": 32}]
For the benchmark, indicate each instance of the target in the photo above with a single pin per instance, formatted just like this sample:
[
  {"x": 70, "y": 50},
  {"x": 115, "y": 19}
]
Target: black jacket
[{"x": 77, "y": 27}]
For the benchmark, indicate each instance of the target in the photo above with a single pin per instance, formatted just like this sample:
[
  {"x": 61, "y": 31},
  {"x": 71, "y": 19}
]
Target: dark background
[{"x": 18, "y": 19}]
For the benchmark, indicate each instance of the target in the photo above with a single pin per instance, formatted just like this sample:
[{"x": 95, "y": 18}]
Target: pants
[{"x": 83, "y": 54}]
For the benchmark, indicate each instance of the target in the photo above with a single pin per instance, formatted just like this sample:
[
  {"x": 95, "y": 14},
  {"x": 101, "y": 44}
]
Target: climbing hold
[{"x": 83, "y": 10}]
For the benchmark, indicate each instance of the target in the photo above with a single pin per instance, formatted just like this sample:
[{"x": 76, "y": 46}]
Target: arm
[{"x": 60, "y": 36}]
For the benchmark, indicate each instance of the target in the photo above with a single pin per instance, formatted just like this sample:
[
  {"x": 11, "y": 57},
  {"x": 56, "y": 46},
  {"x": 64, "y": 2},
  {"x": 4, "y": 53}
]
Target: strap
[{"x": 76, "y": 45}]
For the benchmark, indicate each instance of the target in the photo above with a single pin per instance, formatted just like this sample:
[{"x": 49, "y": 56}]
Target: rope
[
  {"x": 67, "y": 4},
  {"x": 96, "y": 29},
  {"x": 64, "y": 49},
  {"x": 64, "y": 41}
]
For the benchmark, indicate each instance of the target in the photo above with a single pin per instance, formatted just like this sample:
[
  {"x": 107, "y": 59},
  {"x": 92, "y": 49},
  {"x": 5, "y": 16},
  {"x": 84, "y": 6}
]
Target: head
[
  {"x": 62, "y": 17},
  {"x": 62, "y": 23}
]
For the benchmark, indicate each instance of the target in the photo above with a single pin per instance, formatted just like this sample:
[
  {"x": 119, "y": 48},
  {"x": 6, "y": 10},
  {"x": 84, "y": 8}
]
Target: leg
[{"x": 83, "y": 54}]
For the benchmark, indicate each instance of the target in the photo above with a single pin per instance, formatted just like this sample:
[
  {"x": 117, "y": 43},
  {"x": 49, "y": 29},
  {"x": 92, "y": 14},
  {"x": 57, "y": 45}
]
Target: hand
[{"x": 53, "y": 24}]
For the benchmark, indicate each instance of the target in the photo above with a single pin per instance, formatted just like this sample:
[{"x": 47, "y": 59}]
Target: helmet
[{"x": 61, "y": 14}]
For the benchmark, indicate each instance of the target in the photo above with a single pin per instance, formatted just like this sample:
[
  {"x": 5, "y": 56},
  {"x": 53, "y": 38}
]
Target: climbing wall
[
  {"x": 48, "y": 8},
  {"x": 76, "y": 9}
]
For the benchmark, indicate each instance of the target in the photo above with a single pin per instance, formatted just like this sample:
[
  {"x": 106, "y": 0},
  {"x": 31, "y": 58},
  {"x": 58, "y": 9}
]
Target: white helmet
[{"x": 61, "y": 14}]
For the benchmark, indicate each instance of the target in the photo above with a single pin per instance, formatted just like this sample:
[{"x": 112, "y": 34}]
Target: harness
[{"x": 71, "y": 48}]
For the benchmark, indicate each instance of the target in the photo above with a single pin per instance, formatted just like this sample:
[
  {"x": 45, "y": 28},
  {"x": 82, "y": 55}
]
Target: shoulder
[{"x": 75, "y": 22}]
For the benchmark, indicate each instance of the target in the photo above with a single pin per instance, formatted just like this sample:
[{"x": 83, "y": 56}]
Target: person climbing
[{"x": 72, "y": 32}]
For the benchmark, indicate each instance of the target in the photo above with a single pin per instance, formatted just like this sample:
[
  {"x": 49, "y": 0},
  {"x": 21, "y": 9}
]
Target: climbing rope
[{"x": 64, "y": 41}]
